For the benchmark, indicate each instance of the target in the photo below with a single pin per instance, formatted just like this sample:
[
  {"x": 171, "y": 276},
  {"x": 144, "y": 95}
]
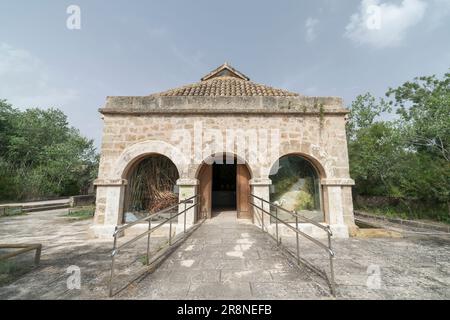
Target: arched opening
[
  {"x": 224, "y": 185},
  {"x": 151, "y": 186},
  {"x": 296, "y": 186}
]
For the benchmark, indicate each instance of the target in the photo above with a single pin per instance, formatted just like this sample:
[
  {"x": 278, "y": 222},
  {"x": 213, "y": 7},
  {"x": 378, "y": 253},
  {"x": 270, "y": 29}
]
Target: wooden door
[
  {"x": 205, "y": 187},
  {"x": 243, "y": 192}
]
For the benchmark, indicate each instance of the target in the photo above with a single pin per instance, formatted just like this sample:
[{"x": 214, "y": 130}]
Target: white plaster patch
[
  {"x": 189, "y": 248},
  {"x": 237, "y": 254},
  {"x": 239, "y": 274},
  {"x": 245, "y": 235},
  {"x": 245, "y": 247},
  {"x": 245, "y": 241},
  {"x": 279, "y": 266},
  {"x": 187, "y": 263}
]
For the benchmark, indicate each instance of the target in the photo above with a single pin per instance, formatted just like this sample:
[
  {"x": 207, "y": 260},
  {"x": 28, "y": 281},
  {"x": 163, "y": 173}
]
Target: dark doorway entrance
[{"x": 224, "y": 186}]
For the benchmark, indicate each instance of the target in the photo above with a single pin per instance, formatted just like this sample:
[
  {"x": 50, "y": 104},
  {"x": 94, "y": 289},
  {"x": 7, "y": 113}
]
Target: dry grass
[{"x": 151, "y": 185}]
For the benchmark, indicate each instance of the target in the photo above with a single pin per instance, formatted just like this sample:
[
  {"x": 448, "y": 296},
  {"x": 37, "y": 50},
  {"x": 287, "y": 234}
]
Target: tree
[
  {"x": 424, "y": 108},
  {"x": 373, "y": 146},
  {"x": 363, "y": 113},
  {"x": 408, "y": 156},
  {"x": 42, "y": 156}
]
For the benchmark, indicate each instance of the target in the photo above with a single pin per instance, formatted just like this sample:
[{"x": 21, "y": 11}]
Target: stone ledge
[
  {"x": 188, "y": 182},
  {"x": 337, "y": 182},
  {"x": 308, "y": 106},
  {"x": 260, "y": 182},
  {"x": 133, "y": 111},
  {"x": 110, "y": 182}
]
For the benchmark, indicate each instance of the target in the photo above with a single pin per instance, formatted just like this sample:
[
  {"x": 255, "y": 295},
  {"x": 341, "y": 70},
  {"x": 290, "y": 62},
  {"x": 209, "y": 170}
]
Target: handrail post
[
  {"x": 113, "y": 258},
  {"x": 298, "y": 249},
  {"x": 120, "y": 229},
  {"x": 170, "y": 228},
  {"x": 276, "y": 224},
  {"x": 37, "y": 256},
  {"x": 262, "y": 215},
  {"x": 148, "y": 240},
  {"x": 298, "y": 232},
  {"x": 184, "y": 217},
  {"x": 331, "y": 266}
]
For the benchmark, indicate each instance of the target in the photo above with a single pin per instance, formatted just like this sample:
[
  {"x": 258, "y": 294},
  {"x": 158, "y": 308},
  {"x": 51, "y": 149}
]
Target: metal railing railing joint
[
  {"x": 296, "y": 230},
  {"x": 121, "y": 229}
]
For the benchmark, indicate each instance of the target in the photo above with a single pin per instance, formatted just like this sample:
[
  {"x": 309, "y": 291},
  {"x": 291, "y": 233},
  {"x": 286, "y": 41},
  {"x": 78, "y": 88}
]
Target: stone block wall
[{"x": 138, "y": 126}]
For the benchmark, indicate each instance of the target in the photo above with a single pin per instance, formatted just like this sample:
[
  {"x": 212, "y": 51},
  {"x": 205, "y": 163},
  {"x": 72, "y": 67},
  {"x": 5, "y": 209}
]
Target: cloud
[
  {"x": 438, "y": 12},
  {"x": 310, "y": 26},
  {"x": 384, "y": 25},
  {"x": 25, "y": 81}
]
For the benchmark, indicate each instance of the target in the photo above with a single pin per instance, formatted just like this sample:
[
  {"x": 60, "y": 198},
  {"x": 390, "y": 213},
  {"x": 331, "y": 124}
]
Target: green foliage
[
  {"x": 363, "y": 112},
  {"x": 11, "y": 269},
  {"x": 81, "y": 213},
  {"x": 282, "y": 185},
  {"x": 11, "y": 212},
  {"x": 424, "y": 108},
  {"x": 308, "y": 186},
  {"x": 407, "y": 156},
  {"x": 41, "y": 156},
  {"x": 374, "y": 155},
  {"x": 304, "y": 201}
]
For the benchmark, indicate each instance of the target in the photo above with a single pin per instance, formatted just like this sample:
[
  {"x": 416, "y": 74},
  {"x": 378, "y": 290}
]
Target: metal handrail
[
  {"x": 293, "y": 213},
  {"x": 120, "y": 229},
  {"x": 326, "y": 228},
  {"x": 130, "y": 224}
]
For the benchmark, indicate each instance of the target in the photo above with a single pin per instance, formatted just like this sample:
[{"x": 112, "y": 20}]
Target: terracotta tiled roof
[{"x": 226, "y": 81}]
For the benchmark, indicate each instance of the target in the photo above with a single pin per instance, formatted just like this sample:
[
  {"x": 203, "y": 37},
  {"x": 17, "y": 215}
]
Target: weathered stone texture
[
  {"x": 298, "y": 134},
  {"x": 190, "y": 126}
]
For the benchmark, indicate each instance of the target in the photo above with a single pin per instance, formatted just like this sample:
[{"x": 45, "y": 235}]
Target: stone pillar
[
  {"x": 187, "y": 189},
  {"x": 337, "y": 205},
  {"x": 261, "y": 188},
  {"x": 109, "y": 207}
]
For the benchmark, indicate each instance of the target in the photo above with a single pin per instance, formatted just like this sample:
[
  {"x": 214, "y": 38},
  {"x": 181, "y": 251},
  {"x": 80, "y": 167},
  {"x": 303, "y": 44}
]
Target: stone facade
[{"x": 189, "y": 129}]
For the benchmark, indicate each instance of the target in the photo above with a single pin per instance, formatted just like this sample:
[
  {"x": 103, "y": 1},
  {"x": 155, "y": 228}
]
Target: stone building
[{"x": 225, "y": 138}]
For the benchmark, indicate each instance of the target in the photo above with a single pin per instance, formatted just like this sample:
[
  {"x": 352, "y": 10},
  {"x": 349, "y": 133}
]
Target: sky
[{"x": 52, "y": 57}]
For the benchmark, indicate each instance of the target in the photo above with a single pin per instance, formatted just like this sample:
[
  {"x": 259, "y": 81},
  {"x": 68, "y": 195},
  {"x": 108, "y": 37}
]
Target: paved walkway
[
  {"x": 224, "y": 258},
  {"x": 227, "y": 258}
]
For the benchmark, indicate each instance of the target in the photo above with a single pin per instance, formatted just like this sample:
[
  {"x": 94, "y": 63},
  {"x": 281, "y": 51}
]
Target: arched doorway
[
  {"x": 224, "y": 184},
  {"x": 151, "y": 186},
  {"x": 296, "y": 186}
]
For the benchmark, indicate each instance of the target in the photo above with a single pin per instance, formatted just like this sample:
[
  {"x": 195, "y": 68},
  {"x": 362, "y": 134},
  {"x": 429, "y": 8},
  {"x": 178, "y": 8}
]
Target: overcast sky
[{"x": 326, "y": 47}]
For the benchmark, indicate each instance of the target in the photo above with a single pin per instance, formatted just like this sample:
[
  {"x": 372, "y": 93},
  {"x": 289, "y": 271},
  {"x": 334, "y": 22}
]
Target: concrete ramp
[{"x": 227, "y": 258}]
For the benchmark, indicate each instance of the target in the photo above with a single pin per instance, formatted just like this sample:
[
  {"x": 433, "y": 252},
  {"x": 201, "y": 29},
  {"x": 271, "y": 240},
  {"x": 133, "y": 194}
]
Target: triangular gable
[{"x": 225, "y": 70}]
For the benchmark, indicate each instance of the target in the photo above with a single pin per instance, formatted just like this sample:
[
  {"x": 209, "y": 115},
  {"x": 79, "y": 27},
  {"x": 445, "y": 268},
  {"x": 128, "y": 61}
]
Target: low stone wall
[
  {"x": 377, "y": 201},
  {"x": 79, "y": 201},
  {"x": 409, "y": 223}
]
